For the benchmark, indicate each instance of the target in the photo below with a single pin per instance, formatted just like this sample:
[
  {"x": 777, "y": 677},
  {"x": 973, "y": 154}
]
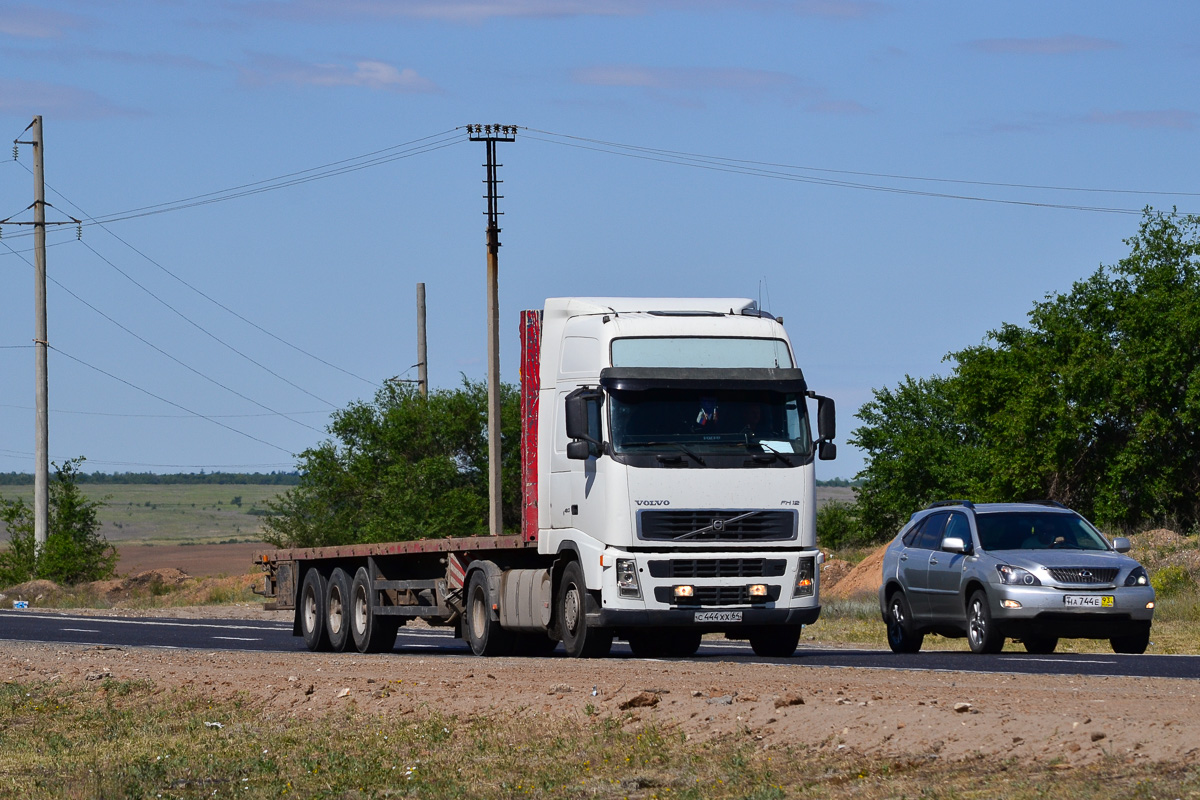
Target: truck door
[
  {"x": 561, "y": 468},
  {"x": 587, "y": 478}
]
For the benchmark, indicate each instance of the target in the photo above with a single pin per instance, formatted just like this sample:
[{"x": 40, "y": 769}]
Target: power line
[
  {"x": 716, "y": 164},
  {"x": 149, "y": 393},
  {"x": 158, "y": 416},
  {"x": 178, "y": 361},
  {"x": 204, "y": 330},
  {"x": 870, "y": 174}
]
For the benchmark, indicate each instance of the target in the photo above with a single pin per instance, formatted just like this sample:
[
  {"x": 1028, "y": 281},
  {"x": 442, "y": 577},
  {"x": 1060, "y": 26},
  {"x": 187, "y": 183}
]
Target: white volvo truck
[{"x": 669, "y": 491}]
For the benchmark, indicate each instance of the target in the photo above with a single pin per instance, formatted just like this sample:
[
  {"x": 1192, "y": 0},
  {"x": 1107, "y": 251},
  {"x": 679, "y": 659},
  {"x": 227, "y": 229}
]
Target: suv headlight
[
  {"x": 1137, "y": 577},
  {"x": 627, "y": 581},
  {"x": 1015, "y": 576}
]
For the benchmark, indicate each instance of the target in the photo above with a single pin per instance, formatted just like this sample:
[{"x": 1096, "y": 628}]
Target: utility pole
[
  {"x": 422, "y": 364},
  {"x": 489, "y": 135}
]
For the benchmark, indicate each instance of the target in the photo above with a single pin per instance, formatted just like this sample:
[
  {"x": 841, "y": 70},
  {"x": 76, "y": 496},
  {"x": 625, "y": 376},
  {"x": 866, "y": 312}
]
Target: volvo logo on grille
[{"x": 718, "y": 525}]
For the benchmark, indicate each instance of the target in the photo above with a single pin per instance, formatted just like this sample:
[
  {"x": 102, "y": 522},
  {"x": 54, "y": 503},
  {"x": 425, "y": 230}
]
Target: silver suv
[{"x": 1036, "y": 572}]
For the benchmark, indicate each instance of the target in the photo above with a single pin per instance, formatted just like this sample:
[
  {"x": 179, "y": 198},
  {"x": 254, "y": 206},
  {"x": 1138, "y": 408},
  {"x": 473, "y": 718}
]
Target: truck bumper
[{"x": 686, "y": 618}]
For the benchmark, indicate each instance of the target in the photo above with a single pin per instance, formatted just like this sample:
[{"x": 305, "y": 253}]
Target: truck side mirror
[
  {"x": 826, "y": 418},
  {"x": 583, "y": 423},
  {"x": 826, "y": 451}
]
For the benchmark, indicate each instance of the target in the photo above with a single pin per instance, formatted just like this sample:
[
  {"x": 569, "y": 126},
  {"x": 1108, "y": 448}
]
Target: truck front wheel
[
  {"x": 777, "y": 642},
  {"x": 579, "y": 640},
  {"x": 483, "y": 634},
  {"x": 312, "y": 611}
]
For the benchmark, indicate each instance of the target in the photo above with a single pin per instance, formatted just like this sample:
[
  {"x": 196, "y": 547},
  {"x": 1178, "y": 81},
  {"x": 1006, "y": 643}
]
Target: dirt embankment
[{"x": 1065, "y": 720}]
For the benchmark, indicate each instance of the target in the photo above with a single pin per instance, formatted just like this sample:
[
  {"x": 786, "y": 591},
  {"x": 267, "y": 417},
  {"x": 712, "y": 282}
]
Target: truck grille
[
  {"x": 1083, "y": 574},
  {"x": 718, "y": 568},
  {"x": 717, "y": 525},
  {"x": 715, "y": 596}
]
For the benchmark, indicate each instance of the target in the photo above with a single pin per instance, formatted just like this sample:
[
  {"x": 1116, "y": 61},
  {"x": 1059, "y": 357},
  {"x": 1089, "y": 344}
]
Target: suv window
[
  {"x": 958, "y": 527},
  {"x": 930, "y": 537}
]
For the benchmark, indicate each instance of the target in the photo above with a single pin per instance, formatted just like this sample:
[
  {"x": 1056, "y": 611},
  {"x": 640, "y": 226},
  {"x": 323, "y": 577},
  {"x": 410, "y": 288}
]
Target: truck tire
[
  {"x": 664, "y": 643},
  {"x": 337, "y": 609},
  {"x": 311, "y": 609},
  {"x": 371, "y": 633},
  {"x": 983, "y": 634},
  {"x": 579, "y": 640},
  {"x": 484, "y": 634},
  {"x": 777, "y": 642}
]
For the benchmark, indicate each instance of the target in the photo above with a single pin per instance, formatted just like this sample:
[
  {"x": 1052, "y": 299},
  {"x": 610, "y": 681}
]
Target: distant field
[{"x": 173, "y": 514}]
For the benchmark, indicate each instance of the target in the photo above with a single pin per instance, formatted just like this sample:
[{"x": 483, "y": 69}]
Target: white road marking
[
  {"x": 1058, "y": 660},
  {"x": 81, "y": 630},
  {"x": 162, "y": 623},
  {"x": 238, "y": 638}
]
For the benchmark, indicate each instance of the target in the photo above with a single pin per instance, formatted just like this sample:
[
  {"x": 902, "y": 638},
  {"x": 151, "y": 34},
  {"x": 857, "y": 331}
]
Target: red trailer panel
[{"x": 531, "y": 368}]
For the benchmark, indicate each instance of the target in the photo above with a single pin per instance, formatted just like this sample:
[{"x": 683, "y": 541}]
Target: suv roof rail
[
  {"x": 1046, "y": 502},
  {"x": 941, "y": 503}
]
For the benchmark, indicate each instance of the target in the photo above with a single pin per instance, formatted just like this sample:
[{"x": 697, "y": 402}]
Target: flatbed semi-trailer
[{"x": 669, "y": 491}]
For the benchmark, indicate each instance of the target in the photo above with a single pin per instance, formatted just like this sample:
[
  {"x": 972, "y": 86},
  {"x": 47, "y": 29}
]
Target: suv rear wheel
[{"x": 901, "y": 635}]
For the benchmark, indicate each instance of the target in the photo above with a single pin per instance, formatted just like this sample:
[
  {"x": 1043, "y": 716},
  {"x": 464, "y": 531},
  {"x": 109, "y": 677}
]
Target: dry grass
[{"x": 134, "y": 739}]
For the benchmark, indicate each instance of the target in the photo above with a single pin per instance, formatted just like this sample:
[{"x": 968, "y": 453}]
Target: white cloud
[
  {"x": 1173, "y": 118},
  {"x": 366, "y": 73},
  {"x": 26, "y": 98},
  {"x": 31, "y": 22}
]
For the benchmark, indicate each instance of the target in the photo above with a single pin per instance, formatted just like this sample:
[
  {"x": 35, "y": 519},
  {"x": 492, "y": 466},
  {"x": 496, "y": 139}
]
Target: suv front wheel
[{"x": 982, "y": 632}]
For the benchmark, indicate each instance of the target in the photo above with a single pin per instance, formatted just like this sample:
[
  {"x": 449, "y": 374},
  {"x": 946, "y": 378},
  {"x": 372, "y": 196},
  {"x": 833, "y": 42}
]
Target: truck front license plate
[
  {"x": 1089, "y": 600},
  {"x": 718, "y": 616}
]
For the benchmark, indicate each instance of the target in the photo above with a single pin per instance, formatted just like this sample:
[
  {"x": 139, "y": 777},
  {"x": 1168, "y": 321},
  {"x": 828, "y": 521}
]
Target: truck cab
[{"x": 676, "y": 468}]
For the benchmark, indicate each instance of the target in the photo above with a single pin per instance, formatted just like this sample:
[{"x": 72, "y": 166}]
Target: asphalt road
[{"x": 255, "y": 635}]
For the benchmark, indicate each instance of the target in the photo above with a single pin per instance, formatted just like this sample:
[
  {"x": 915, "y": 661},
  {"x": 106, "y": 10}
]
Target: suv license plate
[
  {"x": 718, "y": 616},
  {"x": 1089, "y": 600}
]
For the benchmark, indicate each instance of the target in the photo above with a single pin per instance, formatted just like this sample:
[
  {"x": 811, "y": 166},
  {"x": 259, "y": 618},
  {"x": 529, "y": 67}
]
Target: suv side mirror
[
  {"x": 1122, "y": 545},
  {"x": 953, "y": 544}
]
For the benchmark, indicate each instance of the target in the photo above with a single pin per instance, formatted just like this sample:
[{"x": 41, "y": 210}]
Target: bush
[
  {"x": 838, "y": 526},
  {"x": 75, "y": 550},
  {"x": 1172, "y": 580}
]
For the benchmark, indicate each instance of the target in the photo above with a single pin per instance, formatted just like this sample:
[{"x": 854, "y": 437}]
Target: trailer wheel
[
  {"x": 312, "y": 611},
  {"x": 484, "y": 634},
  {"x": 337, "y": 610},
  {"x": 371, "y": 633},
  {"x": 579, "y": 640},
  {"x": 775, "y": 642}
]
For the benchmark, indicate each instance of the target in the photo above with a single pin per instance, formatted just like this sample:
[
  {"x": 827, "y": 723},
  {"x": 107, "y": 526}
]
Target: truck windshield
[{"x": 709, "y": 422}]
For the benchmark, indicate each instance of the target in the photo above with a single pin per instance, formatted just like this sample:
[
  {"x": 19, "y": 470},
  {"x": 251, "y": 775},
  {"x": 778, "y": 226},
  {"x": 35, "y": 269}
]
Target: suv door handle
[
  {"x": 932, "y": 561},
  {"x": 904, "y": 556}
]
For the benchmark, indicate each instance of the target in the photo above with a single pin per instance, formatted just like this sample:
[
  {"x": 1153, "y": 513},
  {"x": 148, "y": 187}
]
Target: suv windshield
[
  {"x": 709, "y": 422},
  {"x": 1037, "y": 531}
]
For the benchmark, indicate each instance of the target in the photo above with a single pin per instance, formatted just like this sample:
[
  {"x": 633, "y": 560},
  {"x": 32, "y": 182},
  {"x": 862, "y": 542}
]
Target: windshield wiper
[
  {"x": 711, "y": 527},
  {"x": 680, "y": 447},
  {"x": 775, "y": 452}
]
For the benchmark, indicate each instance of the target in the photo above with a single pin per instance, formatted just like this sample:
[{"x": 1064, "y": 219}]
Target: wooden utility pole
[
  {"x": 422, "y": 364},
  {"x": 489, "y": 135}
]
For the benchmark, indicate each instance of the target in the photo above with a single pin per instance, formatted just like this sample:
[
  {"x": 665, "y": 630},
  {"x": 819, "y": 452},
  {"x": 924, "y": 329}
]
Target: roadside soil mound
[
  {"x": 33, "y": 591},
  {"x": 832, "y": 571},
  {"x": 861, "y": 582}
]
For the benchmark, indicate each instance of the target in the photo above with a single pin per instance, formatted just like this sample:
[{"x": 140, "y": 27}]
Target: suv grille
[
  {"x": 718, "y": 568},
  {"x": 715, "y": 596},
  {"x": 1083, "y": 574},
  {"x": 717, "y": 525}
]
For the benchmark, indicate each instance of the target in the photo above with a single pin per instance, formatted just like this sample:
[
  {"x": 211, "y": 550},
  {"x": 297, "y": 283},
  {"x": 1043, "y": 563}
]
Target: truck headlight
[
  {"x": 806, "y": 584},
  {"x": 1137, "y": 577},
  {"x": 627, "y": 581},
  {"x": 1015, "y": 576}
]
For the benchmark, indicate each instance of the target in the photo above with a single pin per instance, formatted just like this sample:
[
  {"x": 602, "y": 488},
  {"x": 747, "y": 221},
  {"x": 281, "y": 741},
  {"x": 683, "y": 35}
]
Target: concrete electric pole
[
  {"x": 422, "y": 365},
  {"x": 489, "y": 135}
]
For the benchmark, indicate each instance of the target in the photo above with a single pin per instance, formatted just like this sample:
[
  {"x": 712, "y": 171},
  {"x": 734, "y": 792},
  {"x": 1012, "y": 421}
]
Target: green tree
[
  {"x": 75, "y": 550},
  {"x": 1094, "y": 403},
  {"x": 403, "y": 467}
]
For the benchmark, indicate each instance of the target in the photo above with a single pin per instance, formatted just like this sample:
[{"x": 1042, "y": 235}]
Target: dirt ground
[
  {"x": 1061, "y": 721},
  {"x": 199, "y": 560}
]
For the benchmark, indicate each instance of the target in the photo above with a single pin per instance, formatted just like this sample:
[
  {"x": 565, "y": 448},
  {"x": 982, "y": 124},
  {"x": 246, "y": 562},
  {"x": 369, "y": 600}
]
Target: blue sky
[{"x": 876, "y": 172}]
